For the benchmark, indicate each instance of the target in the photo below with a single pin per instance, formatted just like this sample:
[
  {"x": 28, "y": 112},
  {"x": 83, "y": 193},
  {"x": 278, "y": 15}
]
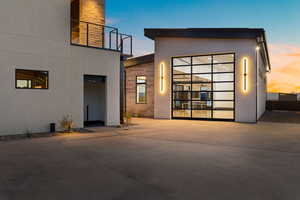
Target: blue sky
[{"x": 280, "y": 18}]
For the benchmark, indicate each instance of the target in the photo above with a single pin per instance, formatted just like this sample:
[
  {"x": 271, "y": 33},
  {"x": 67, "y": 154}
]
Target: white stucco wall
[
  {"x": 261, "y": 86},
  {"x": 166, "y": 48},
  {"x": 35, "y": 35}
]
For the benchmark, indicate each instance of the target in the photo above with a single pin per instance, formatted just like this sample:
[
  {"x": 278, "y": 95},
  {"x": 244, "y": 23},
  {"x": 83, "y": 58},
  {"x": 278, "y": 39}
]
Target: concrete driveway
[{"x": 155, "y": 160}]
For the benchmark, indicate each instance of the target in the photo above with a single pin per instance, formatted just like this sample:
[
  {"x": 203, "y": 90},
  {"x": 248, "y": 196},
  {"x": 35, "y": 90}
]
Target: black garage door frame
[{"x": 173, "y": 99}]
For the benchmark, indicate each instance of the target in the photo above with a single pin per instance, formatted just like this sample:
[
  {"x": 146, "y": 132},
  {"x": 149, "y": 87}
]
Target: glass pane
[
  {"x": 223, "y": 77},
  {"x": 202, "y": 60},
  {"x": 201, "y": 86},
  {"x": 182, "y": 95},
  {"x": 182, "y": 113},
  {"x": 182, "y": 78},
  {"x": 141, "y": 79},
  {"x": 221, "y": 114},
  {"x": 223, "y": 86},
  {"x": 223, "y": 68},
  {"x": 201, "y": 96},
  {"x": 224, "y": 105},
  {"x": 200, "y": 105},
  {"x": 202, "y": 114},
  {"x": 223, "y": 58},
  {"x": 31, "y": 79},
  {"x": 182, "y": 87},
  {"x": 202, "y": 77},
  {"x": 223, "y": 95},
  {"x": 182, "y": 105},
  {"x": 141, "y": 93},
  {"x": 23, "y": 83},
  {"x": 182, "y": 70},
  {"x": 182, "y": 61},
  {"x": 202, "y": 69}
]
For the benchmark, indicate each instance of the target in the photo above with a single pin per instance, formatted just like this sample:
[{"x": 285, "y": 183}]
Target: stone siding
[
  {"x": 141, "y": 110},
  {"x": 92, "y": 11}
]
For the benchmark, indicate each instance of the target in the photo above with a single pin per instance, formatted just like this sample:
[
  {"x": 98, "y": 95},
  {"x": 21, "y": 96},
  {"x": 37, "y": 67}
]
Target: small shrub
[
  {"x": 67, "y": 124},
  {"x": 127, "y": 119}
]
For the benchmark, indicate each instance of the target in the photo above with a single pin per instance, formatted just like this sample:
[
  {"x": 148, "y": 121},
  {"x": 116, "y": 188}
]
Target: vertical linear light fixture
[
  {"x": 162, "y": 78},
  {"x": 245, "y": 74}
]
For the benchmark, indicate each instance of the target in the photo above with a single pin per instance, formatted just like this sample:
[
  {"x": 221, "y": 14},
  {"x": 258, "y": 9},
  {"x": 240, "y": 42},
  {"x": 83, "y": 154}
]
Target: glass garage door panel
[
  {"x": 223, "y": 86},
  {"x": 218, "y": 68},
  {"x": 182, "y": 70},
  {"x": 182, "y": 109},
  {"x": 223, "y": 114},
  {"x": 182, "y": 114},
  {"x": 223, "y": 58},
  {"x": 202, "y": 114},
  {"x": 184, "y": 95},
  {"x": 203, "y": 87},
  {"x": 182, "y": 78},
  {"x": 223, "y": 77},
  {"x": 201, "y": 60},
  {"x": 202, "y": 69},
  {"x": 182, "y": 61},
  {"x": 202, "y": 105},
  {"x": 181, "y": 87},
  {"x": 219, "y": 96},
  {"x": 223, "y": 105},
  {"x": 201, "y": 78}
]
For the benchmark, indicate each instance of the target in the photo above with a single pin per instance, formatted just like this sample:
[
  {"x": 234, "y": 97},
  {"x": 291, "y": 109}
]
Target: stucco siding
[
  {"x": 37, "y": 36},
  {"x": 261, "y": 86},
  {"x": 166, "y": 48}
]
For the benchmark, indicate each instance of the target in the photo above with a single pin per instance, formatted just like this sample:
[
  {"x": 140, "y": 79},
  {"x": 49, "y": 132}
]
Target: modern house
[
  {"x": 201, "y": 73},
  {"x": 58, "y": 58}
]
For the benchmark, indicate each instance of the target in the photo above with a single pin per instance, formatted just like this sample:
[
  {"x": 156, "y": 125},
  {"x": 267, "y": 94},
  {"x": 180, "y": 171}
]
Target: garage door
[{"x": 203, "y": 87}]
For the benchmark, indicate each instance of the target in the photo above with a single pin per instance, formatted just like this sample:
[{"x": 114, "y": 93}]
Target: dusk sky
[{"x": 280, "y": 19}]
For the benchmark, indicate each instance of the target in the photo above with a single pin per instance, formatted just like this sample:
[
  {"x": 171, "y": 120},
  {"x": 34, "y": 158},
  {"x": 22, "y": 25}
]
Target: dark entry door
[{"x": 94, "y": 100}]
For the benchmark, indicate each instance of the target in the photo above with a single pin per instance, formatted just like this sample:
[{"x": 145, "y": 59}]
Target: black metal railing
[{"x": 98, "y": 36}]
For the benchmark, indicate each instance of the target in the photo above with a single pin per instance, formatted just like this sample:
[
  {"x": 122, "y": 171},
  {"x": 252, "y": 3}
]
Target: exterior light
[
  {"x": 245, "y": 74},
  {"x": 257, "y": 48},
  {"x": 162, "y": 78}
]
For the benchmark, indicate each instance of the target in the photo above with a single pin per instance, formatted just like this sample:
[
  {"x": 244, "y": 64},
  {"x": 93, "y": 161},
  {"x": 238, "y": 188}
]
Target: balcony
[{"x": 93, "y": 35}]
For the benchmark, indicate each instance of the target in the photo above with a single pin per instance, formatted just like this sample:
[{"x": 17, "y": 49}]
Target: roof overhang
[
  {"x": 214, "y": 33},
  {"x": 139, "y": 60}
]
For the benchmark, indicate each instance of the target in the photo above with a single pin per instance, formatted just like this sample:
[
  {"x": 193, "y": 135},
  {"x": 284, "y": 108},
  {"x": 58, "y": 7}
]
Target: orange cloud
[{"x": 285, "y": 73}]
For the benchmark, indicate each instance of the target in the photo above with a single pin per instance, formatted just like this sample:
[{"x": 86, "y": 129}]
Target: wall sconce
[
  {"x": 245, "y": 74},
  {"x": 162, "y": 78}
]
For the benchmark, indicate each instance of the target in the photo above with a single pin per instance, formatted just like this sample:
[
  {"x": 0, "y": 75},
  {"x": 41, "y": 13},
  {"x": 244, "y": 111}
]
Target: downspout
[{"x": 122, "y": 89}]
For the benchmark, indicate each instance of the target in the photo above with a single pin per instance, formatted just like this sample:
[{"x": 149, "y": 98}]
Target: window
[
  {"x": 141, "y": 90},
  {"x": 31, "y": 79}
]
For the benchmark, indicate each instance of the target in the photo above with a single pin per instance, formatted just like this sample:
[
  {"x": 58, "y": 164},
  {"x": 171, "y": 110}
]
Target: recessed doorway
[{"x": 94, "y": 100}]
